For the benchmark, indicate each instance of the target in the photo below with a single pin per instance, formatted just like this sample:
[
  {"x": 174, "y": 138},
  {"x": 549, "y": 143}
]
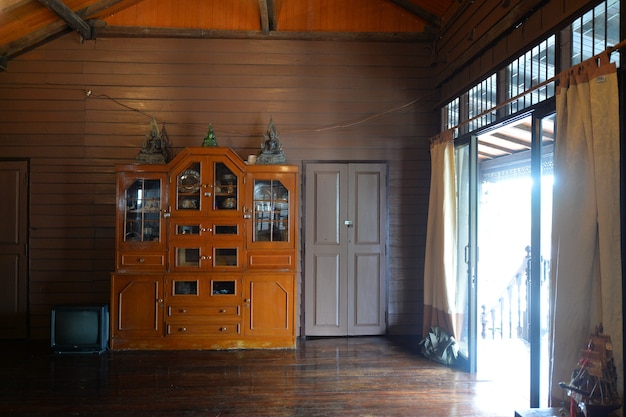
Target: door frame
[{"x": 303, "y": 234}]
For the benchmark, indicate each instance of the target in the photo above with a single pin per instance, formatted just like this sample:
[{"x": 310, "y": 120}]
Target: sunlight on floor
[{"x": 504, "y": 367}]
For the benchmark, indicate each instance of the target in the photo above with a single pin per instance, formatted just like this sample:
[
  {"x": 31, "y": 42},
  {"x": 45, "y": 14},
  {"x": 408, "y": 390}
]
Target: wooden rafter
[
  {"x": 430, "y": 19},
  {"x": 95, "y": 10},
  {"x": 268, "y": 16},
  {"x": 72, "y": 19}
]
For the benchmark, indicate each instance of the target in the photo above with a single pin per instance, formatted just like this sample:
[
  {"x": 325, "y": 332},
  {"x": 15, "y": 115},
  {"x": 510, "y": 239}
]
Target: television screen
[{"x": 79, "y": 329}]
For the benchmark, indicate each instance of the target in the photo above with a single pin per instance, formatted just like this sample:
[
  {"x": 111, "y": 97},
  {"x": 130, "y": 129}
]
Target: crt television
[{"x": 79, "y": 329}]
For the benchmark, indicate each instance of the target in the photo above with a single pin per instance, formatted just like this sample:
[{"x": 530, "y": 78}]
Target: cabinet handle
[
  {"x": 183, "y": 329},
  {"x": 223, "y": 329},
  {"x": 222, "y": 311},
  {"x": 141, "y": 260},
  {"x": 182, "y": 310},
  {"x": 207, "y": 229},
  {"x": 204, "y": 257},
  {"x": 159, "y": 300},
  {"x": 207, "y": 194}
]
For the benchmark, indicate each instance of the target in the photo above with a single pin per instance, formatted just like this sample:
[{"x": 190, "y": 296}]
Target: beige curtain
[
  {"x": 586, "y": 252},
  {"x": 441, "y": 256}
]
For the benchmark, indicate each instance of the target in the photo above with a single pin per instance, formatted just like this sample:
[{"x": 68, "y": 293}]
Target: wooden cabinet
[
  {"x": 137, "y": 312},
  {"x": 140, "y": 232},
  {"x": 206, "y": 254},
  {"x": 269, "y": 309},
  {"x": 271, "y": 229}
]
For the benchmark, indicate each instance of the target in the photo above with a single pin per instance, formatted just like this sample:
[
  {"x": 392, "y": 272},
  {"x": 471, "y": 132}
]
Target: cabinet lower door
[
  {"x": 269, "y": 304},
  {"x": 137, "y": 307}
]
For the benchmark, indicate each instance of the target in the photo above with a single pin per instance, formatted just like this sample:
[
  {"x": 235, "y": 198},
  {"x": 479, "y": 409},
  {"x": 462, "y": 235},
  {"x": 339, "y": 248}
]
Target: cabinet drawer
[
  {"x": 213, "y": 329},
  {"x": 139, "y": 260},
  {"x": 271, "y": 259},
  {"x": 203, "y": 313}
]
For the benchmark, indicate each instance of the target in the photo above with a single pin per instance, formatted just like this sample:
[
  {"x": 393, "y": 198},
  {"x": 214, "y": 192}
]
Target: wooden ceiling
[{"x": 25, "y": 24}]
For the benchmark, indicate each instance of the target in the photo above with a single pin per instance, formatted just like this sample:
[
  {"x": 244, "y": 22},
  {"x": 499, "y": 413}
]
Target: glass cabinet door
[
  {"x": 206, "y": 244},
  {"x": 188, "y": 189},
  {"x": 226, "y": 188},
  {"x": 270, "y": 207},
  {"x": 142, "y": 211},
  {"x": 201, "y": 256},
  {"x": 206, "y": 186}
]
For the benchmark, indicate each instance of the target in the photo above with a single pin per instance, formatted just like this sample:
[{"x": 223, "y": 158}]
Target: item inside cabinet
[
  {"x": 223, "y": 287},
  {"x": 226, "y": 257},
  {"x": 186, "y": 287}
]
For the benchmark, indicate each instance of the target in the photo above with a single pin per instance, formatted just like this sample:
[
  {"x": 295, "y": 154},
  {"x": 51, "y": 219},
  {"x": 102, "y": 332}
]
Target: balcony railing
[{"x": 506, "y": 316}]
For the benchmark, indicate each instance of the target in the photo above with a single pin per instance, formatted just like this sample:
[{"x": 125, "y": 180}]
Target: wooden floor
[{"x": 370, "y": 376}]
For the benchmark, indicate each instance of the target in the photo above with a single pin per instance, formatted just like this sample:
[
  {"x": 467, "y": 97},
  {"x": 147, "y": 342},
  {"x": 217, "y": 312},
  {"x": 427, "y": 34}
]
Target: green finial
[{"x": 210, "y": 140}]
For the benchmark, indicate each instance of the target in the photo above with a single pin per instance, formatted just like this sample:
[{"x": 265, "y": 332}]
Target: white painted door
[{"x": 345, "y": 249}]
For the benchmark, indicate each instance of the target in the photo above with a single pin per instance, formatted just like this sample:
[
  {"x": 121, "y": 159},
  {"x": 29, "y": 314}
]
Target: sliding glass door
[
  {"x": 466, "y": 182},
  {"x": 504, "y": 181}
]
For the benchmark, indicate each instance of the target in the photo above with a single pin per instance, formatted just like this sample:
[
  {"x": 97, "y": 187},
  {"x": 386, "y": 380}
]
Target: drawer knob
[
  {"x": 223, "y": 329},
  {"x": 182, "y": 310},
  {"x": 222, "y": 311},
  {"x": 183, "y": 329},
  {"x": 141, "y": 260}
]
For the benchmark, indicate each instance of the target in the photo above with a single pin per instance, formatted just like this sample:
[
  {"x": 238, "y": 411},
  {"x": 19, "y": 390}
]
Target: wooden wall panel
[{"x": 76, "y": 110}]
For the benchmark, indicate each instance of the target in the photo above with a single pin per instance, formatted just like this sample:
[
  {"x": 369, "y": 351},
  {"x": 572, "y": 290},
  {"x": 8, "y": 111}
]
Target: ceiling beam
[
  {"x": 72, "y": 19},
  {"x": 268, "y": 16},
  {"x": 192, "y": 33},
  {"x": 271, "y": 11},
  {"x": 97, "y": 10},
  {"x": 429, "y": 18},
  {"x": 265, "y": 18}
]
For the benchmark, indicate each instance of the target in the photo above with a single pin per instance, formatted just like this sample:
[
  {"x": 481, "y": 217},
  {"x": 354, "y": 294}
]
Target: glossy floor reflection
[{"x": 369, "y": 376}]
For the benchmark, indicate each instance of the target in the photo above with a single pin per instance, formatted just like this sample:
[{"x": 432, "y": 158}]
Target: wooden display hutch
[{"x": 205, "y": 254}]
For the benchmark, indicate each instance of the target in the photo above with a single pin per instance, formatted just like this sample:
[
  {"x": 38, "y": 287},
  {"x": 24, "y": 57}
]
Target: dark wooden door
[{"x": 14, "y": 250}]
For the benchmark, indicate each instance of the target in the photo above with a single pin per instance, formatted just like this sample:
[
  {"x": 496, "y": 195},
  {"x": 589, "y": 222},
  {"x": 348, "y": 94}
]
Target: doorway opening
[{"x": 513, "y": 228}]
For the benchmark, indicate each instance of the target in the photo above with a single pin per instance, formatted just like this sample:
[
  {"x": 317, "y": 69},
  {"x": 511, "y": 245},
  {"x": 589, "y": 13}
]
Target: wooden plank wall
[
  {"x": 486, "y": 36},
  {"x": 75, "y": 110}
]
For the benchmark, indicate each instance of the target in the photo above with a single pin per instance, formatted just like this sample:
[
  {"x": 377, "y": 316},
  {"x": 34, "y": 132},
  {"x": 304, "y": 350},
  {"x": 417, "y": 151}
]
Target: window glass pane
[
  {"x": 524, "y": 78},
  {"x": 595, "y": 31},
  {"x": 482, "y": 103},
  {"x": 527, "y": 72}
]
